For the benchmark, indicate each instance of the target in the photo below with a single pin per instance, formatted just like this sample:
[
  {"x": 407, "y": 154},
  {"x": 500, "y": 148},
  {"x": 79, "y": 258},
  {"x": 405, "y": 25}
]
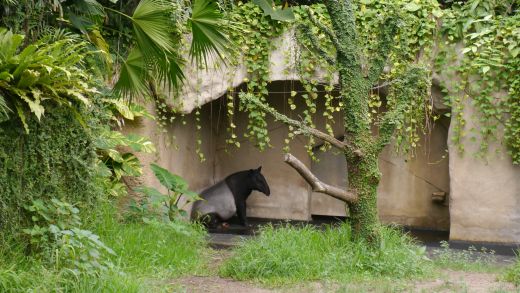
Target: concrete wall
[
  {"x": 404, "y": 193},
  {"x": 485, "y": 193},
  {"x": 176, "y": 150},
  {"x": 406, "y": 187}
]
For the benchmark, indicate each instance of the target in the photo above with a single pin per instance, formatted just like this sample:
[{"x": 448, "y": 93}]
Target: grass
[
  {"x": 147, "y": 255},
  {"x": 156, "y": 248},
  {"x": 512, "y": 274},
  {"x": 470, "y": 260},
  {"x": 286, "y": 255}
]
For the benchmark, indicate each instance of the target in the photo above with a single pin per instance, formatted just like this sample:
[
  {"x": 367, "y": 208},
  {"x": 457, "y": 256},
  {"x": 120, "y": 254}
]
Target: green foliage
[
  {"x": 176, "y": 187},
  {"x": 113, "y": 165},
  {"x": 254, "y": 47},
  {"x": 154, "y": 249},
  {"x": 46, "y": 72},
  {"x": 488, "y": 71},
  {"x": 155, "y": 55},
  {"x": 513, "y": 273},
  {"x": 276, "y": 13},
  {"x": 464, "y": 260},
  {"x": 57, "y": 234},
  {"x": 57, "y": 159},
  {"x": 147, "y": 257},
  {"x": 208, "y": 38},
  {"x": 287, "y": 254}
]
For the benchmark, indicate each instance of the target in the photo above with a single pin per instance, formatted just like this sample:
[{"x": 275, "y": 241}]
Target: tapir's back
[{"x": 218, "y": 199}]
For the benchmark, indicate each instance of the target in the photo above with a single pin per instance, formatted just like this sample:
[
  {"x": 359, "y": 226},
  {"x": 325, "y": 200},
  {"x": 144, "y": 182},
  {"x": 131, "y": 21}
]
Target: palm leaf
[
  {"x": 151, "y": 22},
  {"x": 206, "y": 26},
  {"x": 132, "y": 79}
]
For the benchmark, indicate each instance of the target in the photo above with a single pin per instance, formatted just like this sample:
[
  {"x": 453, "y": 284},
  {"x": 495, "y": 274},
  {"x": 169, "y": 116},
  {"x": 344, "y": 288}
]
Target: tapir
[{"x": 228, "y": 197}]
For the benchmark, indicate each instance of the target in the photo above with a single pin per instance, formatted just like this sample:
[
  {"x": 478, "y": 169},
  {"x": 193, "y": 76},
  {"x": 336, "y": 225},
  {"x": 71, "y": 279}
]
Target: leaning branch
[
  {"x": 317, "y": 185},
  {"x": 303, "y": 127}
]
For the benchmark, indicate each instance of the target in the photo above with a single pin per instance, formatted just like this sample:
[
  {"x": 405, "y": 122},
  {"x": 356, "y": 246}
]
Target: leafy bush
[
  {"x": 56, "y": 159},
  {"x": 176, "y": 187},
  {"x": 56, "y": 233},
  {"x": 46, "y": 72},
  {"x": 287, "y": 254}
]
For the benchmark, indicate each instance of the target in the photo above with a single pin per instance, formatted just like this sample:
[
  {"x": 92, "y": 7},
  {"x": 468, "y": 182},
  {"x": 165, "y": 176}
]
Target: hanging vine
[{"x": 489, "y": 71}]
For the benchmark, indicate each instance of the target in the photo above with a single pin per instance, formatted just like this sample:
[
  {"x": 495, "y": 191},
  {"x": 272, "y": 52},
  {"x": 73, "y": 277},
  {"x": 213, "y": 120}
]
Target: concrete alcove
[{"x": 405, "y": 192}]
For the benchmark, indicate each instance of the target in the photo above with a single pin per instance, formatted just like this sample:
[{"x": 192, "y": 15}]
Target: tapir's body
[
  {"x": 228, "y": 197},
  {"x": 218, "y": 199}
]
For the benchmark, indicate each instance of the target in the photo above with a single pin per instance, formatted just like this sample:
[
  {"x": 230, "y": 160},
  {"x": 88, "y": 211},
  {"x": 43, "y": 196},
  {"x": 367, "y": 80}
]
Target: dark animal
[{"x": 222, "y": 200}]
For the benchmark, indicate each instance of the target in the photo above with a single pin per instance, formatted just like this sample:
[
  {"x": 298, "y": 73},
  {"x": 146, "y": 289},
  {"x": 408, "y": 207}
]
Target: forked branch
[{"x": 317, "y": 185}]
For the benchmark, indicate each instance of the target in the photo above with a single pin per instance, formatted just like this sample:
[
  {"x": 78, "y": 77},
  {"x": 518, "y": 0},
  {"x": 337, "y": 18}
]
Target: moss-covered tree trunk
[{"x": 355, "y": 84}]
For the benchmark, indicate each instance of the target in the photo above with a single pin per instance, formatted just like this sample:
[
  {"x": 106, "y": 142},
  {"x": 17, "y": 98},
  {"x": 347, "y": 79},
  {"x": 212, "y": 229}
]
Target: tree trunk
[{"x": 363, "y": 173}]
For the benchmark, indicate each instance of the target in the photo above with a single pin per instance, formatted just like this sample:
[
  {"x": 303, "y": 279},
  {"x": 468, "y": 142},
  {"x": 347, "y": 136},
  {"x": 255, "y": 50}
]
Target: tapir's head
[{"x": 258, "y": 181}]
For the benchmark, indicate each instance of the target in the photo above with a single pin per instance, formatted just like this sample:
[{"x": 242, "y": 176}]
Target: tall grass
[
  {"x": 288, "y": 254},
  {"x": 146, "y": 254},
  {"x": 158, "y": 248},
  {"x": 512, "y": 274}
]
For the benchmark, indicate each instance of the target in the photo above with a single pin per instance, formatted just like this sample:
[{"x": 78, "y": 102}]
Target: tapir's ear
[{"x": 259, "y": 169}]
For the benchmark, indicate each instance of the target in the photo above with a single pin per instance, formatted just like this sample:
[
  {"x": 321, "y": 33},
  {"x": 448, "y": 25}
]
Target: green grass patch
[
  {"x": 146, "y": 257},
  {"x": 285, "y": 255},
  {"x": 512, "y": 274},
  {"x": 470, "y": 260},
  {"x": 155, "y": 248}
]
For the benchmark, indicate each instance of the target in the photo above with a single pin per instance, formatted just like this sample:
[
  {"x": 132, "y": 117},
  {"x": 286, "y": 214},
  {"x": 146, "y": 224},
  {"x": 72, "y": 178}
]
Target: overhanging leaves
[{"x": 206, "y": 22}]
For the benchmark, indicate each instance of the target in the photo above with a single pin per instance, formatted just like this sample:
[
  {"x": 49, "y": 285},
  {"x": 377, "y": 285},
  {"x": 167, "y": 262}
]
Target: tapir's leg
[{"x": 241, "y": 212}]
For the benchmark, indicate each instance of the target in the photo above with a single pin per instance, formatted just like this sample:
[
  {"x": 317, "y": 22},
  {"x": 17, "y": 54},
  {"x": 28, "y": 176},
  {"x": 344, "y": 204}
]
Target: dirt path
[
  {"x": 456, "y": 281},
  {"x": 451, "y": 281}
]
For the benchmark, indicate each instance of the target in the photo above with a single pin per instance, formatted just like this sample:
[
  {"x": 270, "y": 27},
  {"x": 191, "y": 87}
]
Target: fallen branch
[{"x": 316, "y": 184}]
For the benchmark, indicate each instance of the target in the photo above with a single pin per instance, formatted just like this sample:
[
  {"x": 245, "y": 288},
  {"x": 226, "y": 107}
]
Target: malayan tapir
[{"x": 222, "y": 200}]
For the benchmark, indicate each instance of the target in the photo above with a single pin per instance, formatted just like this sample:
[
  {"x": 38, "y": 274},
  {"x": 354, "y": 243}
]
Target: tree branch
[
  {"x": 384, "y": 47},
  {"x": 324, "y": 28},
  {"x": 314, "y": 43},
  {"x": 317, "y": 185},
  {"x": 302, "y": 126}
]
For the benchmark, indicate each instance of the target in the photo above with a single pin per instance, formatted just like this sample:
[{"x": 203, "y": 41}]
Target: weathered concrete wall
[
  {"x": 406, "y": 187},
  {"x": 485, "y": 193},
  {"x": 176, "y": 150}
]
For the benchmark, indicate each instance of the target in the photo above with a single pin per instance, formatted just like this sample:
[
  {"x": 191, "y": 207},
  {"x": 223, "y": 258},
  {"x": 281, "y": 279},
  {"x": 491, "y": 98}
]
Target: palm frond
[
  {"x": 206, "y": 26},
  {"x": 132, "y": 79},
  {"x": 151, "y": 23}
]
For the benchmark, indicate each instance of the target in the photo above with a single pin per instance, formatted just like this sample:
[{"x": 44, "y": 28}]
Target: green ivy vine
[
  {"x": 253, "y": 37},
  {"x": 488, "y": 67}
]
